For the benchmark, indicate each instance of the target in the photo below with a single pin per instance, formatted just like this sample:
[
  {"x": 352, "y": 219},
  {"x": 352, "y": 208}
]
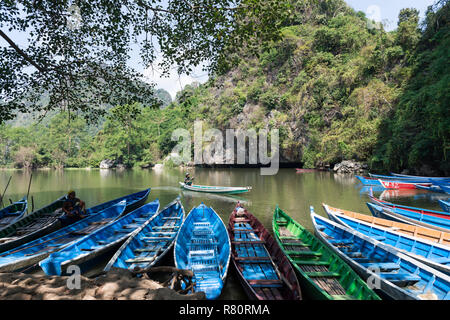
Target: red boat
[
  {"x": 401, "y": 185},
  {"x": 264, "y": 271},
  {"x": 434, "y": 213}
]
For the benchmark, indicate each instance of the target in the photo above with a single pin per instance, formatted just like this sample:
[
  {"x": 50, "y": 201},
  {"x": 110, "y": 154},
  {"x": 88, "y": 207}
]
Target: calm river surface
[{"x": 293, "y": 192}]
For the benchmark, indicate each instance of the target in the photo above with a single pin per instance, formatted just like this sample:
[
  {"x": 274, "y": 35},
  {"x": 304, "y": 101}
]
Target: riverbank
[{"x": 118, "y": 284}]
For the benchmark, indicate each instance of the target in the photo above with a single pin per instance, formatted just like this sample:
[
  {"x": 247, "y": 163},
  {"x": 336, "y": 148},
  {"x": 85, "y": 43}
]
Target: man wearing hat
[{"x": 73, "y": 208}]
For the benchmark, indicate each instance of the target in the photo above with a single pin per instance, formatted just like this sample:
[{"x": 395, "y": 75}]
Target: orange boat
[{"x": 416, "y": 231}]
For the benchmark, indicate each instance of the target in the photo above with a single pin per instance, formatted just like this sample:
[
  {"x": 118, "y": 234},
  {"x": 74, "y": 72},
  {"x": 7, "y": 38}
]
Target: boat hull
[
  {"x": 215, "y": 189},
  {"x": 13, "y": 213},
  {"x": 394, "y": 273},
  {"x": 274, "y": 265},
  {"x": 445, "y": 205},
  {"x": 401, "y": 185}
]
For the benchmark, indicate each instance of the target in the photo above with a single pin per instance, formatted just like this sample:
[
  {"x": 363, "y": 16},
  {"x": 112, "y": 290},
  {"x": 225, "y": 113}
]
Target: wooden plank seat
[
  {"x": 386, "y": 266},
  {"x": 304, "y": 253},
  {"x": 265, "y": 283},
  {"x": 340, "y": 242},
  {"x": 356, "y": 254},
  {"x": 253, "y": 259},
  {"x": 148, "y": 250},
  {"x": 238, "y": 242},
  {"x": 131, "y": 226},
  {"x": 141, "y": 259},
  {"x": 157, "y": 238},
  {"x": 244, "y": 230},
  {"x": 171, "y": 218},
  {"x": 378, "y": 238},
  {"x": 328, "y": 274},
  {"x": 311, "y": 262},
  {"x": 165, "y": 227},
  {"x": 401, "y": 279}
]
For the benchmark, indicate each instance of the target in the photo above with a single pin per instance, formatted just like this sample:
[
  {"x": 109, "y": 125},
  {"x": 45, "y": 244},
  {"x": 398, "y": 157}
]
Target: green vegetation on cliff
[{"x": 337, "y": 86}]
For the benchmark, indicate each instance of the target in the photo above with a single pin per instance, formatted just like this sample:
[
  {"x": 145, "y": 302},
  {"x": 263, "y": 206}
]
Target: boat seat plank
[
  {"x": 304, "y": 253},
  {"x": 387, "y": 266},
  {"x": 401, "y": 279},
  {"x": 238, "y": 242},
  {"x": 244, "y": 259},
  {"x": 311, "y": 262},
  {"x": 441, "y": 260},
  {"x": 323, "y": 274}
]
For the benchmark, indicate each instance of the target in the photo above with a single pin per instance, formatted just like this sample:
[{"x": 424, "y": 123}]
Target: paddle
[{"x": 1, "y": 198}]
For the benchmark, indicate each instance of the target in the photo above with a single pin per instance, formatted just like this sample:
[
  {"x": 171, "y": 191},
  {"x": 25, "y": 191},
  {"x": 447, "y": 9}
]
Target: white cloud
[{"x": 173, "y": 82}]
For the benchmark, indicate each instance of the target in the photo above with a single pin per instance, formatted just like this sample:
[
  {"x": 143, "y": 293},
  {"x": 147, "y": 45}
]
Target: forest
[{"x": 335, "y": 84}]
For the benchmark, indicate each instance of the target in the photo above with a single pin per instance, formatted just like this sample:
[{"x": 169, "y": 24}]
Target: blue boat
[
  {"x": 419, "y": 177},
  {"x": 409, "y": 217},
  {"x": 30, "y": 253},
  {"x": 91, "y": 248},
  {"x": 433, "y": 254},
  {"x": 432, "y": 188},
  {"x": 445, "y": 205},
  {"x": 203, "y": 246},
  {"x": 150, "y": 243},
  {"x": 444, "y": 186},
  {"x": 411, "y": 178},
  {"x": 390, "y": 271},
  {"x": 47, "y": 220},
  {"x": 368, "y": 181},
  {"x": 13, "y": 212}
]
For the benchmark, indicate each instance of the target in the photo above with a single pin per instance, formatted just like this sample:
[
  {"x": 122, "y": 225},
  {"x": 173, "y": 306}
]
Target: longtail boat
[
  {"x": 46, "y": 220},
  {"x": 215, "y": 189},
  {"x": 203, "y": 246},
  {"x": 86, "y": 251},
  {"x": 445, "y": 205},
  {"x": 405, "y": 178},
  {"x": 396, "y": 184},
  {"x": 430, "y": 253},
  {"x": 404, "y": 228},
  {"x": 410, "y": 217},
  {"x": 431, "y": 188},
  {"x": 148, "y": 244},
  {"x": 397, "y": 275},
  {"x": 263, "y": 269},
  {"x": 322, "y": 274},
  {"x": 13, "y": 212},
  {"x": 367, "y": 181},
  {"x": 419, "y": 177},
  {"x": 434, "y": 213},
  {"x": 31, "y": 253}
]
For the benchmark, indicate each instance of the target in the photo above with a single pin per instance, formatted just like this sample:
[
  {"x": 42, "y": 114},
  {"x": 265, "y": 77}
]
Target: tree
[
  {"x": 77, "y": 51},
  {"x": 408, "y": 33}
]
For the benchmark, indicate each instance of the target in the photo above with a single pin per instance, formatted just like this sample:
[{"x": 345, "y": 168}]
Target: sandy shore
[{"x": 118, "y": 284}]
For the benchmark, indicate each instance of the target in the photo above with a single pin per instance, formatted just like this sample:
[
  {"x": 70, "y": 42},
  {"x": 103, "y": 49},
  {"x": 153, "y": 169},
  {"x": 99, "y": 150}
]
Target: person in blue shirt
[{"x": 188, "y": 180}]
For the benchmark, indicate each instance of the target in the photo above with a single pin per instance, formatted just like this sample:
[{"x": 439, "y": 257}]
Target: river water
[{"x": 293, "y": 192}]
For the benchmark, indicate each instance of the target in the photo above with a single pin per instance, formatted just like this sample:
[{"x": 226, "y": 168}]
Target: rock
[
  {"x": 349, "y": 166},
  {"x": 121, "y": 166},
  {"x": 107, "y": 164},
  {"x": 146, "y": 166},
  {"x": 158, "y": 166}
]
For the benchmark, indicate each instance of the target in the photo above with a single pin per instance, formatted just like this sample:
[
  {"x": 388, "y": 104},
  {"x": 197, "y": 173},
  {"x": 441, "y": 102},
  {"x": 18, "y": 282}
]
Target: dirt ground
[{"x": 117, "y": 284}]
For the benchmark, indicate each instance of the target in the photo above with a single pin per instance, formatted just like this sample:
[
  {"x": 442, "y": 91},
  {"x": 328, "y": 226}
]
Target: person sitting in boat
[
  {"x": 74, "y": 208},
  {"x": 188, "y": 180}
]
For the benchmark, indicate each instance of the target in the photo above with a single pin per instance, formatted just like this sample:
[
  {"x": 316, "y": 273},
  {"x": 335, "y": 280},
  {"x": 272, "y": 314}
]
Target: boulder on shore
[
  {"x": 350, "y": 166},
  {"x": 107, "y": 164}
]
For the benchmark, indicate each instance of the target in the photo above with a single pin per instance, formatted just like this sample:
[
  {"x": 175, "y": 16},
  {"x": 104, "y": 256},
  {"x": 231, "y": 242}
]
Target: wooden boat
[
  {"x": 367, "y": 181},
  {"x": 263, "y": 269},
  {"x": 419, "y": 177},
  {"x": 13, "y": 212},
  {"x": 396, "y": 184},
  {"x": 430, "y": 253},
  {"x": 431, "y": 188},
  {"x": 397, "y": 275},
  {"x": 404, "y": 228},
  {"x": 150, "y": 242},
  {"x": 434, "y": 213},
  {"x": 215, "y": 189},
  {"x": 323, "y": 275},
  {"x": 31, "y": 253},
  {"x": 445, "y": 205},
  {"x": 87, "y": 250},
  {"x": 203, "y": 246},
  {"x": 410, "y": 217},
  {"x": 46, "y": 220},
  {"x": 444, "y": 187}
]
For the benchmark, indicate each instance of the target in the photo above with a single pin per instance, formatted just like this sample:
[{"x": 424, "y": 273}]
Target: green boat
[{"x": 322, "y": 274}]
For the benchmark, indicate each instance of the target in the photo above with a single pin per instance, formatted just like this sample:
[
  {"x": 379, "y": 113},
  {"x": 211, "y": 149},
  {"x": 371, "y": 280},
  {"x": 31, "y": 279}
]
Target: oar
[
  {"x": 1, "y": 198},
  {"x": 29, "y": 185}
]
